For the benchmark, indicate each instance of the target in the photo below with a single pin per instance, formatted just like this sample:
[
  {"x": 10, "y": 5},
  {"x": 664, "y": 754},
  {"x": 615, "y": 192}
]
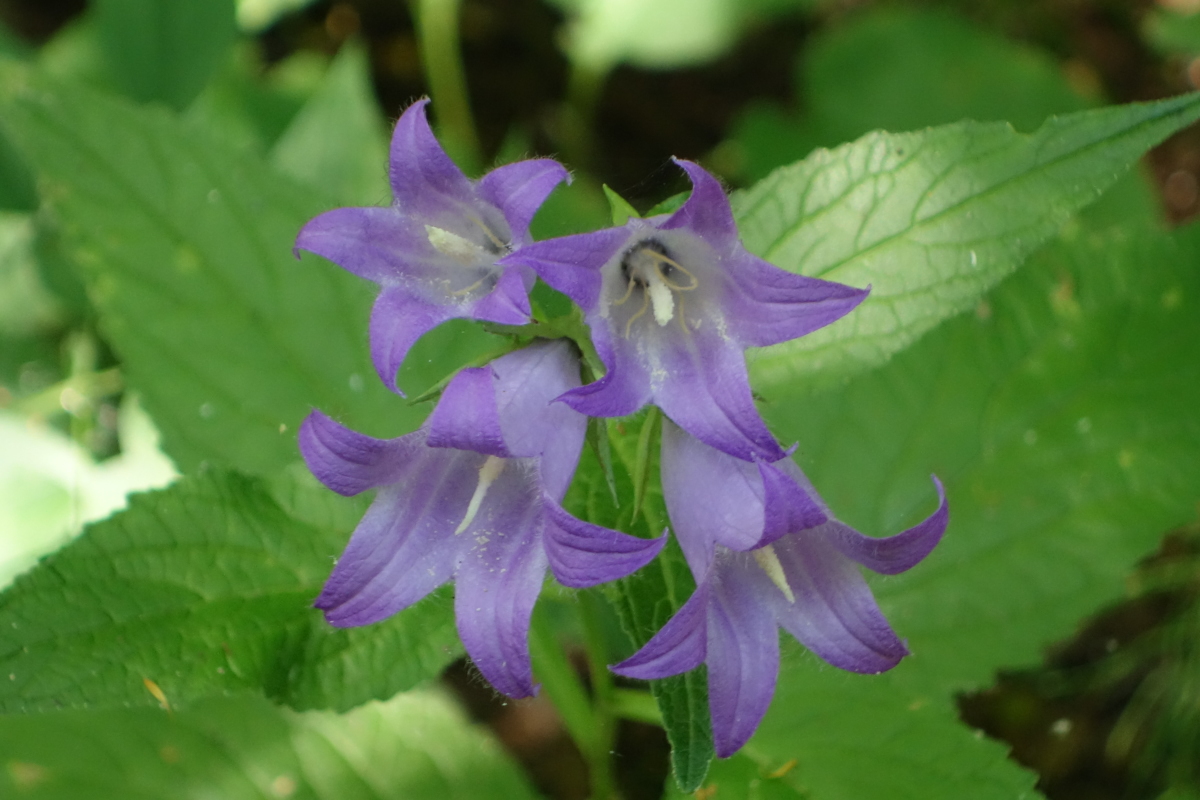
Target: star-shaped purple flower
[
  {"x": 766, "y": 555},
  {"x": 433, "y": 251},
  {"x": 473, "y": 496},
  {"x": 673, "y": 302}
]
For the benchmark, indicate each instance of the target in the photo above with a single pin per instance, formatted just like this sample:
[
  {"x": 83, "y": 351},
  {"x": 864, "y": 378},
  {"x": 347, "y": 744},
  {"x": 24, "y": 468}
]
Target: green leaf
[
  {"x": 930, "y": 220},
  {"x": 337, "y": 141},
  {"x": 187, "y": 249},
  {"x": 203, "y": 588},
  {"x": 164, "y": 50},
  {"x": 621, "y": 209},
  {"x": 1061, "y": 416},
  {"x": 417, "y": 745}
]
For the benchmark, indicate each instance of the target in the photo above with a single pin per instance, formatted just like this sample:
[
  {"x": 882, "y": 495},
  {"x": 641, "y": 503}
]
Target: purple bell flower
[
  {"x": 766, "y": 554},
  {"x": 433, "y": 251},
  {"x": 473, "y": 497},
  {"x": 673, "y": 302}
]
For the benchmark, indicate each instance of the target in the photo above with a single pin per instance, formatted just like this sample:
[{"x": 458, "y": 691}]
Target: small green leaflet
[
  {"x": 930, "y": 220},
  {"x": 203, "y": 588}
]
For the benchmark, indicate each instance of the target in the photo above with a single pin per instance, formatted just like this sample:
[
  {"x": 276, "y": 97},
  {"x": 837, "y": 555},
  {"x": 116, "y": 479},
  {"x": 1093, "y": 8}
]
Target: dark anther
[{"x": 629, "y": 272}]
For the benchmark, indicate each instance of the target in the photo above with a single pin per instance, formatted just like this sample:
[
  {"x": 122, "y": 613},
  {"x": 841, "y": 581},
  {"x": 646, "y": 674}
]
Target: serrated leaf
[
  {"x": 187, "y": 248},
  {"x": 336, "y": 142},
  {"x": 164, "y": 50},
  {"x": 414, "y": 746},
  {"x": 930, "y": 220},
  {"x": 202, "y": 588}
]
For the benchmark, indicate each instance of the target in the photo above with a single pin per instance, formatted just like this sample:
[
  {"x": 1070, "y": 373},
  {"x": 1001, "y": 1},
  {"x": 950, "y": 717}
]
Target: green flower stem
[
  {"x": 603, "y": 698},
  {"x": 584, "y": 86},
  {"x": 441, "y": 55},
  {"x": 636, "y": 705}
]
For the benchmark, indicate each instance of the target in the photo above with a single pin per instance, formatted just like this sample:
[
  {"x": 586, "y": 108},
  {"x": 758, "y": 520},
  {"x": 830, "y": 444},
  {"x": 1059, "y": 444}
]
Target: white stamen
[
  {"x": 766, "y": 558},
  {"x": 491, "y": 469},
  {"x": 453, "y": 245},
  {"x": 661, "y": 298}
]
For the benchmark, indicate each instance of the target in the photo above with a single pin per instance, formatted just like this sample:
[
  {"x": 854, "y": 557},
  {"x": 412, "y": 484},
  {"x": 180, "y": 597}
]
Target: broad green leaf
[
  {"x": 417, "y": 745},
  {"x": 930, "y": 220},
  {"x": 337, "y": 141},
  {"x": 1061, "y": 416},
  {"x": 164, "y": 50},
  {"x": 203, "y": 588},
  {"x": 187, "y": 249}
]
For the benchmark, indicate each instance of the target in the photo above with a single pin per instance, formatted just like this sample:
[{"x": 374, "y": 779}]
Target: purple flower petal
[
  {"x": 788, "y": 508},
  {"x": 743, "y": 661},
  {"x": 527, "y": 383},
  {"x": 711, "y": 497},
  {"x": 679, "y": 646},
  {"x": 834, "y": 613},
  {"x": 421, "y": 173},
  {"x": 893, "y": 554},
  {"x": 349, "y": 462},
  {"x": 706, "y": 392},
  {"x": 508, "y": 302},
  {"x": 497, "y": 584},
  {"x": 378, "y": 244},
  {"x": 392, "y": 561},
  {"x": 773, "y": 305},
  {"x": 466, "y": 417},
  {"x": 706, "y": 210},
  {"x": 398, "y": 319},
  {"x": 569, "y": 264},
  {"x": 520, "y": 189},
  {"x": 582, "y": 554}
]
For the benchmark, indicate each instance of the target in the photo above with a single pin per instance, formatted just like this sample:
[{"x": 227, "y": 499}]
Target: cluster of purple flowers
[{"x": 475, "y": 495}]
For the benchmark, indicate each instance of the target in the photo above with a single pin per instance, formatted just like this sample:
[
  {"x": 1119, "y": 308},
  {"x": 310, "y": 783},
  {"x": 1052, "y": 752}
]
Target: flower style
[
  {"x": 433, "y": 251},
  {"x": 673, "y": 301},
  {"x": 472, "y": 496},
  {"x": 766, "y": 554}
]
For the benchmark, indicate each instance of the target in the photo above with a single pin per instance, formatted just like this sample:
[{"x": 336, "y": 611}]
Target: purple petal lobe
[
  {"x": 519, "y": 190},
  {"x": 787, "y": 507},
  {"x": 421, "y": 173},
  {"x": 706, "y": 392},
  {"x": 706, "y": 211},
  {"x": 893, "y": 554},
  {"x": 508, "y": 302},
  {"x": 498, "y": 583},
  {"x": 582, "y": 554},
  {"x": 349, "y": 462},
  {"x": 373, "y": 243},
  {"x": 623, "y": 390},
  {"x": 834, "y": 613},
  {"x": 679, "y": 646},
  {"x": 398, "y": 319},
  {"x": 711, "y": 497},
  {"x": 768, "y": 305},
  {"x": 527, "y": 383},
  {"x": 571, "y": 264},
  {"x": 466, "y": 417},
  {"x": 743, "y": 661},
  {"x": 402, "y": 549}
]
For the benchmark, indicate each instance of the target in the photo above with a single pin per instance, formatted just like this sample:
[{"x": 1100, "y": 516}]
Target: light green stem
[
  {"x": 441, "y": 54},
  {"x": 603, "y": 699}
]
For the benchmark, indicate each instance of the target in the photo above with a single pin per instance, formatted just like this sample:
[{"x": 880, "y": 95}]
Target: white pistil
[
  {"x": 661, "y": 298},
  {"x": 766, "y": 558},
  {"x": 453, "y": 245},
  {"x": 488, "y": 473}
]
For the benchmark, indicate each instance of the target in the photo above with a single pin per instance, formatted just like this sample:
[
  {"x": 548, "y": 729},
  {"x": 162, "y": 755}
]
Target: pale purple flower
[
  {"x": 673, "y": 302},
  {"x": 473, "y": 497},
  {"x": 433, "y": 251},
  {"x": 766, "y": 554}
]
